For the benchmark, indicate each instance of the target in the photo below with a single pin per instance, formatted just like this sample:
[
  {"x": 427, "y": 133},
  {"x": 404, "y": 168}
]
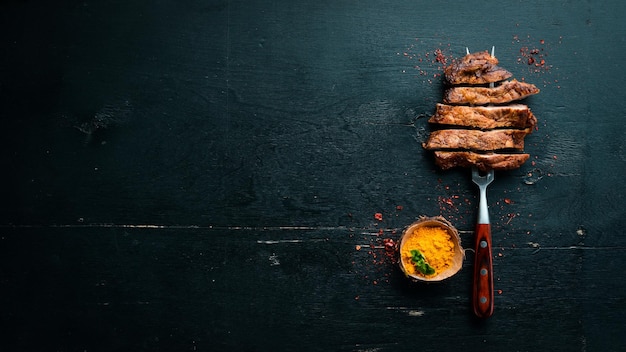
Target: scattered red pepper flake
[
  {"x": 440, "y": 58},
  {"x": 390, "y": 245},
  {"x": 533, "y": 56},
  {"x": 436, "y": 59},
  {"x": 378, "y": 216},
  {"x": 511, "y": 216},
  {"x": 447, "y": 201}
]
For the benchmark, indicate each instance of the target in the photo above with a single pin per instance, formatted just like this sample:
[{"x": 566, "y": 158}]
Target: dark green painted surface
[{"x": 198, "y": 175}]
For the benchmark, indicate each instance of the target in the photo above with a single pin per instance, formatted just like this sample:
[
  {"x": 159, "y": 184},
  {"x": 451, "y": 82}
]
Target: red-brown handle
[{"x": 482, "y": 292}]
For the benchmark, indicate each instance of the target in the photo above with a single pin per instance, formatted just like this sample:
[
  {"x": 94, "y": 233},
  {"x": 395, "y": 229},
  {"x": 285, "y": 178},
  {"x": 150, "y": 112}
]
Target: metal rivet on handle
[
  {"x": 483, "y": 244},
  {"x": 483, "y": 271},
  {"x": 483, "y": 300}
]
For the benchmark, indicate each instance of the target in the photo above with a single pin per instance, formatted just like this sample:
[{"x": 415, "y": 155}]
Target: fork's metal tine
[
  {"x": 493, "y": 51},
  {"x": 475, "y": 174},
  {"x": 490, "y": 176},
  {"x": 481, "y": 180}
]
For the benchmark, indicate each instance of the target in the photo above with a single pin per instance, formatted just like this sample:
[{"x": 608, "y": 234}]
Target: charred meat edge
[
  {"x": 476, "y": 68},
  {"x": 484, "y": 162},
  {"x": 476, "y": 140},
  {"x": 484, "y": 117},
  {"x": 504, "y": 93}
]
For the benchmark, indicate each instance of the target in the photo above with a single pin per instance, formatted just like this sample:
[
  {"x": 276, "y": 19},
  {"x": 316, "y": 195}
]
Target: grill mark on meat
[
  {"x": 475, "y": 140},
  {"x": 506, "y": 92},
  {"x": 485, "y": 117},
  {"x": 476, "y": 68},
  {"x": 484, "y": 162}
]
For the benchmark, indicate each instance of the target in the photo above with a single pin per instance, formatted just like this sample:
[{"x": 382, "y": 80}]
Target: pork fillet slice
[
  {"x": 476, "y": 68},
  {"x": 476, "y": 140},
  {"x": 506, "y": 92},
  {"x": 484, "y": 162},
  {"x": 485, "y": 117}
]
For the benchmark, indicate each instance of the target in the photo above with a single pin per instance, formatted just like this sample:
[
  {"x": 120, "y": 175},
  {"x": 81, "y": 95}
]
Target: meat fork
[{"x": 482, "y": 291}]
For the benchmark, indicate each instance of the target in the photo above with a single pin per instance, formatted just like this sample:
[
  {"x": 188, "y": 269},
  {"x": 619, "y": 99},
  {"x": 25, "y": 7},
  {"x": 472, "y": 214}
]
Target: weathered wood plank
[
  {"x": 199, "y": 175},
  {"x": 169, "y": 287}
]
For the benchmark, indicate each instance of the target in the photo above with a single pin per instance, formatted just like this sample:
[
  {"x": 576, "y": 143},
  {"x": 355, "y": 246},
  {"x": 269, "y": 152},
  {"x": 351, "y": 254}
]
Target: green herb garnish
[{"x": 420, "y": 263}]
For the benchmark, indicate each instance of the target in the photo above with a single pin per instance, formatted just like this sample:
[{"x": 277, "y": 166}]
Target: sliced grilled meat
[
  {"x": 506, "y": 92},
  {"x": 484, "y": 162},
  {"x": 476, "y": 140},
  {"x": 485, "y": 117},
  {"x": 476, "y": 68}
]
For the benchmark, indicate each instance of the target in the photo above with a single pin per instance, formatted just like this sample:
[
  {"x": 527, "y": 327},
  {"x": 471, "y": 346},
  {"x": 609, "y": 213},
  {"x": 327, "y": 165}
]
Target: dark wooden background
[{"x": 203, "y": 175}]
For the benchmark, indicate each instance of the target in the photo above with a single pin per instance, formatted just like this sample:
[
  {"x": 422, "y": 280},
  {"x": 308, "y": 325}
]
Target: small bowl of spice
[{"x": 430, "y": 250}]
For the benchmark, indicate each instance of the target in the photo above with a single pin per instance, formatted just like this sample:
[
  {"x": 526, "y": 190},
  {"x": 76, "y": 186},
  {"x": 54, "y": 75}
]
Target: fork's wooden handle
[{"x": 482, "y": 292}]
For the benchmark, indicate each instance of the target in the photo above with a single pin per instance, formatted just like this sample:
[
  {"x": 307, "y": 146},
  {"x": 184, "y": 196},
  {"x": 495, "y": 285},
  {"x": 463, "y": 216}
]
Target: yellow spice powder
[{"x": 435, "y": 245}]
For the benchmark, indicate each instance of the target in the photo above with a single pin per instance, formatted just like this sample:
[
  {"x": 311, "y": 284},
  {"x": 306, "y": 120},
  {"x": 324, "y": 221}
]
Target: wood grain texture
[
  {"x": 238, "y": 151},
  {"x": 166, "y": 288}
]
